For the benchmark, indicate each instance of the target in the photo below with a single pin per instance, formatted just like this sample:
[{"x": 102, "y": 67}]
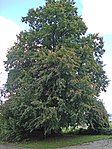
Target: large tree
[{"x": 54, "y": 85}]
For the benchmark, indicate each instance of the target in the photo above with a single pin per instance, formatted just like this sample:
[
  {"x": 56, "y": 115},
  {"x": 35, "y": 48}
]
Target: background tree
[{"x": 56, "y": 85}]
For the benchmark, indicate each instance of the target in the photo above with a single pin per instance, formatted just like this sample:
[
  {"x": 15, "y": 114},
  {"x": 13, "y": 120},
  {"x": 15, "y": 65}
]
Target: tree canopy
[
  {"x": 56, "y": 23},
  {"x": 57, "y": 84}
]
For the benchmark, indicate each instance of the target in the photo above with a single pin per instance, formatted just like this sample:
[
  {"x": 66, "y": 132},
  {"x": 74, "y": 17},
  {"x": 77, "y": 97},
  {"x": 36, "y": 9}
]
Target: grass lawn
[{"x": 53, "y": 143}]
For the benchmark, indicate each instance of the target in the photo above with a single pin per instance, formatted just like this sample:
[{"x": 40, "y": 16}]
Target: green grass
[{"x": 62, "y": 141}]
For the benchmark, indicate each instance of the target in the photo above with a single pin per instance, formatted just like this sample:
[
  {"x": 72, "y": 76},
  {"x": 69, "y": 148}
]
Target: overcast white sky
[
  {"x": 97, "y": 16},
  {"x": 8, "y": 31}
]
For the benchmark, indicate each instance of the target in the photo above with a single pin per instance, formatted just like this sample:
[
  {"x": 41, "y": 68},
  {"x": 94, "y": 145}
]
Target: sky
[{"x": 95, "y": 13}]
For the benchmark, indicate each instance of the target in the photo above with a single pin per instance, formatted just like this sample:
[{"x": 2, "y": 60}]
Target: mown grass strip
[{"x": 62, "y": 141}]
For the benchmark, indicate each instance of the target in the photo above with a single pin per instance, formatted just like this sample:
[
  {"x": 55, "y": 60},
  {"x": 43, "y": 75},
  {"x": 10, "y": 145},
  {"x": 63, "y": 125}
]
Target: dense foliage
[{"x": 55, "y": 84}]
